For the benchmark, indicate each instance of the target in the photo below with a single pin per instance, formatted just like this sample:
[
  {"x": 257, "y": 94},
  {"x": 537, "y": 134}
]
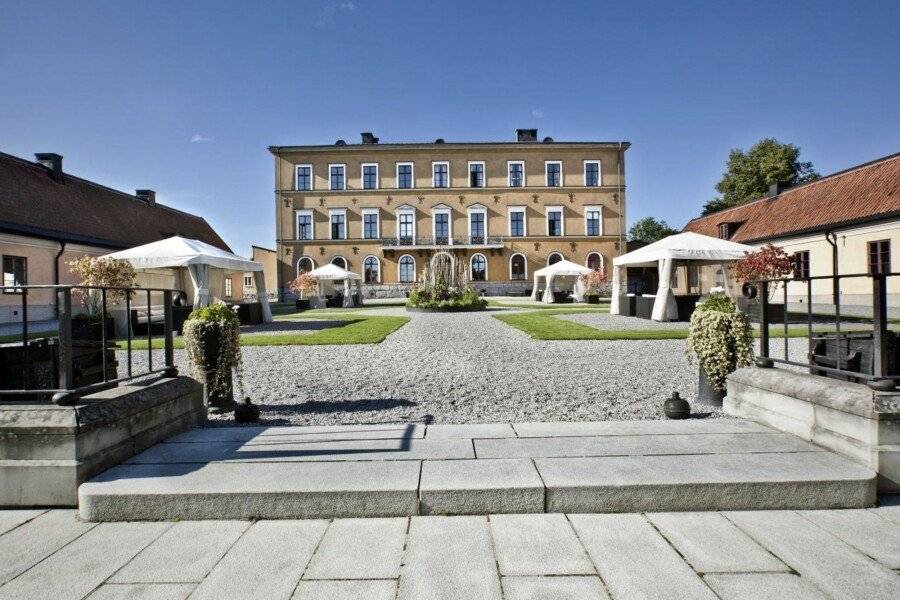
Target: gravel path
[{"x": 464, "y": 368}]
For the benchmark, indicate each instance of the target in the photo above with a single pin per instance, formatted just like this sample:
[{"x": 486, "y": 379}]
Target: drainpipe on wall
[
  {"x": 278, "y": 198},
  {"x": 62, "y": 248},
  {"x": 622, "y": 248}
]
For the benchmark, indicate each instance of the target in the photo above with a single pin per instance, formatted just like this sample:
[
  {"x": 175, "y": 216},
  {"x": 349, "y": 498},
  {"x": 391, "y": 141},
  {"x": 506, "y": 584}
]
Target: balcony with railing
[{"x": 434, "y": 242}]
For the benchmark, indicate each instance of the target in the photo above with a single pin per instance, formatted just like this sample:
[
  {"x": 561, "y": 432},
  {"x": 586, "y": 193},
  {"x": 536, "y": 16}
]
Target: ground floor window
[
  {"x": 879, "y": 257},
  {"x": 554, "y": 258},
  {"x": 801, "y": 264},
  {"x": 228, "y": 287},
  {"x": 479, "y": 268},
  {"x": 517, "y": 267},
  {"x": 305, "y": 265},
  {"x": 15, "y": 272},
  {"x": 594, "y": 261},
  {"x": 339, "y": 261},
  {"x": 371, "y": 270},
  {"x": 248, "y": 280},
  {"x": 407, "y": 269}
]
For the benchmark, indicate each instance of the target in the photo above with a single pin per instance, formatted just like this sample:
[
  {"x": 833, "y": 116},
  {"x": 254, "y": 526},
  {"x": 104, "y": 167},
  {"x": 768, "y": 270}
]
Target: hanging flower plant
[
  {"x": 720, "y": 339},
  {"x": 212, "y": 341}
]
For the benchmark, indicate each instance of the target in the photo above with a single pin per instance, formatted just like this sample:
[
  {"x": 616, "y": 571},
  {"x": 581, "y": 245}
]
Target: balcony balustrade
[{"x": 475, "y": 241}]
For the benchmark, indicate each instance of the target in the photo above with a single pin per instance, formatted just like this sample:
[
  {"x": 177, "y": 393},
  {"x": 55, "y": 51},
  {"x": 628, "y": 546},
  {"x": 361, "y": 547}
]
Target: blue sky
[{"x": 184, "y": 97}]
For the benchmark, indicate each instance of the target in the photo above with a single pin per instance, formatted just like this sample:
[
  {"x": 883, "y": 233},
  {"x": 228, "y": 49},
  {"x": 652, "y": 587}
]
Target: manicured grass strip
[
  {"x": 368, "y": 330},
  {"x": 538, "y": 306},
  {"x": 543, "y": 326},
  {"x": 32, "y": 335}
]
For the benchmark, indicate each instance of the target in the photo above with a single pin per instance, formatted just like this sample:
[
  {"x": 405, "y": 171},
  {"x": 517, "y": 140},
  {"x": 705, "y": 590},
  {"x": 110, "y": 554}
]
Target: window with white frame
[
  {"x": 593, "y": 220},
  {"x": 228, "y": 290},
  {"x": 336, "y": 179},
  {"x": 477, "y": 224},
  {"x": 304, "y": 177},
  {"x": 338, "y": 220},
  {"x": 405, "y": 175},
  {"x": 517, "y": 227},
  {"x": 518, "y": 267},
  {"x": 592, "y": 173},
  {"x": 371, "y": 270},
  {"x": 479, "y": 267},
  {"x": 553, "y": 173},
  {"x": 370, "y": 176},
  {"x": 554, "y": 258},
  {"x": 305, "y": 264},
  {"x": 304, "y": 224},
  {"x": 515, "y": 173},
  {"x": 442, "y": 224},
  {"x": 440, "y": 174},
  {"x": 406, "y": 269},
  {"x": 248, "y": 281},
  {"x": 476, "y": 173},
  {"x": 406, "y": 225},
  {"x": 555, "y": 224},
  {"x": 371, "y": 224},
  {"x": 339, "y": 261}
]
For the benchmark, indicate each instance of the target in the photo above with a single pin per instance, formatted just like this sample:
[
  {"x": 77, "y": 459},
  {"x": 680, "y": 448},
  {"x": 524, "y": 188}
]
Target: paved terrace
[
  {"x": 458, "y": 469},
  {"x": 763, "y": 555}
]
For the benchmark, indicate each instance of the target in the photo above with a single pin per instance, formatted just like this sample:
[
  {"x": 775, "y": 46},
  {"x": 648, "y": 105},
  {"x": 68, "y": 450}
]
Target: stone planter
[
  {"x": 707, "y": 392},
  {"x": 302, "y": 304},
  {"x": 90, "y": 329},
  {"x": 592, "y": 299}
]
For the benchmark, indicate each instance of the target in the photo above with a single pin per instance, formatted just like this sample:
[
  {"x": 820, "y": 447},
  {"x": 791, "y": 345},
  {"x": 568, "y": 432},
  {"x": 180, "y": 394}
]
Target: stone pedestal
[
  {"x": 47, "y": 451},
  {"x": 846, "y": 417}
]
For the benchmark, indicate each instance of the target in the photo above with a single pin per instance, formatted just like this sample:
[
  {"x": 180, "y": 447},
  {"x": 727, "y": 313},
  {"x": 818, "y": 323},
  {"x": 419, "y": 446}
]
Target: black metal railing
[
  {"x": 835, "y": 350},
  {"x": 79, "y": 340},
  {"x": 475, "y": 240}
]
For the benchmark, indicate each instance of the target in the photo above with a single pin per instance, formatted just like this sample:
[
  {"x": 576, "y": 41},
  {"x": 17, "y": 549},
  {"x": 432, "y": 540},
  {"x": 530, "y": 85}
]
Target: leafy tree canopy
[
  {"x": 650, "y": 230},
  {"x": 748, "y": 175}
]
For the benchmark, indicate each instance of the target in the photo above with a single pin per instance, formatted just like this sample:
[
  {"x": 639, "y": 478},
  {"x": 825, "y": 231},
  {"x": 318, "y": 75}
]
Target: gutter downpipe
[
  {"x": 278, "y": 209},
  {"x": 831, "y": 238},
  {"x": 62, "y": 248},
  {"x": 622, "y": 244}
]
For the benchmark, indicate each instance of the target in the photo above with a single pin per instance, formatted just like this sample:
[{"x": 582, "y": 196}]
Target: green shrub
[
  {"x": 439, "y": 296},
  {"x": 719, "y": 338}
]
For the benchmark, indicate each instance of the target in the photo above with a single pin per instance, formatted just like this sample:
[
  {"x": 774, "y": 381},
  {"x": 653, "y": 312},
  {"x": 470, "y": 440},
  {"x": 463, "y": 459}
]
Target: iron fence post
[
  {"x": 26, "y": 355},
  {"x": 66, "y": 376},
  {"x": 879, "y": 325},
  {"x": 764, "y": 319},
  {"x": 171, "y": 371}
]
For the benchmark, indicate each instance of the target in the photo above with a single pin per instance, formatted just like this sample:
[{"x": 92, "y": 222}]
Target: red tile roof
[
  {"x": 862, "y": 193},
  {"x": 80, "y": 211}
]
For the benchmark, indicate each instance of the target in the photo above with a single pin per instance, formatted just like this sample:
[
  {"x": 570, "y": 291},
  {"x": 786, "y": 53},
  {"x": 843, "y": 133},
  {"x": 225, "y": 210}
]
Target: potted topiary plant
[
  {"x": 592, "y": 283},
  {"x": 212, "y": 342},
  {"x": 769, "y": 262},
  {"x": 304, "y": 285},
  {"x": 104, "y": 272},
  {"x": 720, "y": 339}
]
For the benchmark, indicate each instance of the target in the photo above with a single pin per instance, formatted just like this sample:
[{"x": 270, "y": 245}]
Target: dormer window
[{"x": 728, "y": 229}]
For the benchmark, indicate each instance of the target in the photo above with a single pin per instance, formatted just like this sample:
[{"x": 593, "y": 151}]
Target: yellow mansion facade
[{"x": 498, "y": 210}]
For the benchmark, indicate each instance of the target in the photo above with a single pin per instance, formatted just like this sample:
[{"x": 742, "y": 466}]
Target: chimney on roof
[
  {"x": 148, "y": 196},
  {"x": 776, "y": 188},
  {"x": 53, "y": 163},
  {"x": 368, "y": 138},
  {"x": 526, "y": 135}
]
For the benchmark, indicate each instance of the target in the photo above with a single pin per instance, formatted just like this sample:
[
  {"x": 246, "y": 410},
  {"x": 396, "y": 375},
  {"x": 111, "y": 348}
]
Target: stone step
[{"x": 350, "y": 472}]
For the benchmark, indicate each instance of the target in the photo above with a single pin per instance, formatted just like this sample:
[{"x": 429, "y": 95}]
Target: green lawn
[
  {"x": 542, "y": 325},
  {"x": 32, "y": 335},
  {"x": 362, "y": 330},
  {"x": 602, "y": 307}
]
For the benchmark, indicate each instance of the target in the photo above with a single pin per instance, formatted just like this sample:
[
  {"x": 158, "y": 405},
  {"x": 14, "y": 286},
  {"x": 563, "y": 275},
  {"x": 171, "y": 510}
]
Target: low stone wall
[
  {"x": 849, "y": 418},
  {"x": 47, "y": 451}
]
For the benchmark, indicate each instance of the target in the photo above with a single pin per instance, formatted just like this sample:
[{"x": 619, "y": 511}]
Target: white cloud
[
  {"x": 199, "y": 138},
  {"x": 537, "y": 113},
  {"x": 327, "y": 13},
  {"x": 348, "y": 5}
]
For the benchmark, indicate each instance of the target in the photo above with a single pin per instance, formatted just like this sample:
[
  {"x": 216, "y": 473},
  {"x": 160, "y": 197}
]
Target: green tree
[
  {"x": 748, "y": 175},
  {"x": 650, "y": 230}
]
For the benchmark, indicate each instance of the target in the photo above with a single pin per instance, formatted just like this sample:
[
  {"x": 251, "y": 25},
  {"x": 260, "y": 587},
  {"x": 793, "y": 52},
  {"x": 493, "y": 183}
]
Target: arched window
[
  {"x": 479, "y": 267},
  {"x": 518, "y": 267},
  {"x": 407, "y": 268},
  {"x": 554, "y": 258},
  {"x": 594, "y": 261},
  {"x": 305, "y": 265},
  {"x": 339, "y": 261},
  {"x": 371, "y": 270}
]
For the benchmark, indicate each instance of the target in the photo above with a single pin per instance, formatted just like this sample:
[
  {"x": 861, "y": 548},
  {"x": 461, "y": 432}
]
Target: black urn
[
  {"x": 246, "y": 412},
  {"x": 677, "y": 407}
]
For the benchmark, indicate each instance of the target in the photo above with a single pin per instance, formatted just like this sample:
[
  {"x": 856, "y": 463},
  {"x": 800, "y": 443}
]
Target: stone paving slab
[
  {"x": 890, "y": 513},
  {"x": 762, "y": 586},
  {"x": 863, "y": 530},
  {"x": 143, "y": 591},
  {"x": 705, "y": 482},
  {"x": 359, "y": 549},
  {"x": 831, "y": 565},
  {"x": 186, "y": 553},
  {"x": 712, "y": 544},
  {"x": 635, "y": 561},
  {"x": 266, "y": 563},
  {"x": 10, "y": 519},
  {"x": 345, "y": 590},
  {"x": 449, "y": 557},
  {"x": 470, "y": 431},
  {"x": 646, "y": 427},
  {"x": 283, "y": 452},
  {"x": 252, "y": 490},
  {"x": 554, "y": 588},
  {"x": 480, "y": 487},
  {"x": 642, "y": 445},
  {"x": 32, "y": 542},
  {"x": 538, "y": 545},
  {"x": 317, "y": 433}
]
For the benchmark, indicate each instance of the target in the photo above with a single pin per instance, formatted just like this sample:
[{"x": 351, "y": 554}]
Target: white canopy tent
[
  {"x": 334, "y": 273},
  {"x": 686, "y": 246},
  {"x": 562, "y": 270},
  {"x": 197, "y": 257}
]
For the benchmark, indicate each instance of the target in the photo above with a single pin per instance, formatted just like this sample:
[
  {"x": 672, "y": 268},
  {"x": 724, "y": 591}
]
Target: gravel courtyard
[{"x": 464, "y": 368}]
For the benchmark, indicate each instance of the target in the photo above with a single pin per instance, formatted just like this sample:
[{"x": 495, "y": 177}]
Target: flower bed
[{"x": 439, "y": 297}]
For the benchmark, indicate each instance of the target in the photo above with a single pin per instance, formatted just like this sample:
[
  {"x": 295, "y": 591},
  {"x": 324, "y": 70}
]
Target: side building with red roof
[
  {"x": 860, "y": 206},
  {"x": 49, "y": 217}
]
